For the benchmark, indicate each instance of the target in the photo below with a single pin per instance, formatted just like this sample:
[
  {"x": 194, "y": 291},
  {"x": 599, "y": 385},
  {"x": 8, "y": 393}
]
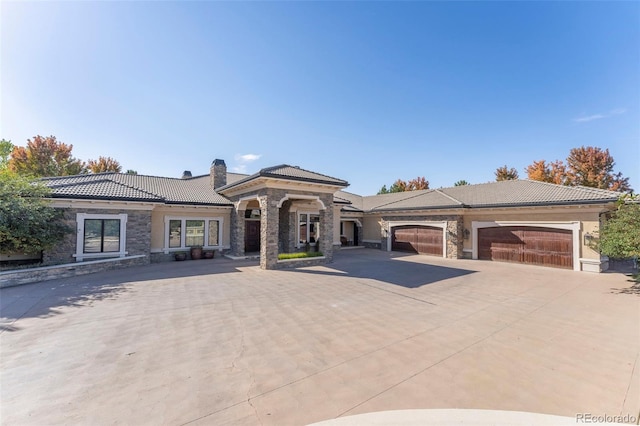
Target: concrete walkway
[{"x": 223, "y": 342}]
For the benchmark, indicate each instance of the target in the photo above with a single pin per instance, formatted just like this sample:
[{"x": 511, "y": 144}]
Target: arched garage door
[
  {"x": 525, "y": 244},
  {"x": 417, "y": 239}
]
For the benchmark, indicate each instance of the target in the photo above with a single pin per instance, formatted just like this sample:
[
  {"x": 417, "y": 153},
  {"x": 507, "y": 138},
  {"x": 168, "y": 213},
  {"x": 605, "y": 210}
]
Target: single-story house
[{"x": 285, "y": 209}]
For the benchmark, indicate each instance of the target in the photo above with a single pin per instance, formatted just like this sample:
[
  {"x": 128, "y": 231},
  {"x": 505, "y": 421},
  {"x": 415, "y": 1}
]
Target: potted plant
[
  {"x": 180, "y": 255},
  {"x": 196, "y": 252},
  {"x": 208, "y": 254}
]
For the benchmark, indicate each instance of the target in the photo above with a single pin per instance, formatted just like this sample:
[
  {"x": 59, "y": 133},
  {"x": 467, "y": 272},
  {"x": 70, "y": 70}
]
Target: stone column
[
  {"x": 237, "y": 232},
  {"x": 269, "y": 216},
  {"x": 326, "y": 226},
  {"x": 293, "y": 231},
  {"x": 283, "y": 228},
  {"x": 455, "y": 241}
]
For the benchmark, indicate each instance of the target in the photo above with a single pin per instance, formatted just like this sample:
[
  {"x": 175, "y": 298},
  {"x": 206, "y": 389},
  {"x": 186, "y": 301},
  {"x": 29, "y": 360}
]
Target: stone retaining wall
[
  {"x": 301, "y": 263},
  {"x": 45, "y": 273}
]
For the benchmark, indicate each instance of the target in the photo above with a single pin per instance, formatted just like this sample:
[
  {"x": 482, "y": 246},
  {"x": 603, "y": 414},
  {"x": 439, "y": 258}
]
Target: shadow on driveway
[
  {"x": 387, "y": 267},
  {"x": 48, "y": 298}
]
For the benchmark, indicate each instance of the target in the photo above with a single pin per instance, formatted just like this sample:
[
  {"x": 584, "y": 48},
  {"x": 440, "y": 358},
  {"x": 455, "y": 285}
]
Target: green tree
[
  {"x": 6, "y": 148},
  {"x": 505, "y": 173},
  {"x": 131, "y": 172},
  {"x": 45, "y": 156},
  {"x": 461, "y": 183},
  {"x": 620, "y": 234},
  {"x": 27, "y": 223}
]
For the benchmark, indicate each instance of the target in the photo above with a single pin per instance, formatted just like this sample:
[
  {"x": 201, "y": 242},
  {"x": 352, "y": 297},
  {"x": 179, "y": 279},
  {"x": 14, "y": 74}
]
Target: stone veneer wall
[
  {"x": 454, "y": 231},
  {"x": 270, "y": 226},
  {"x": 138, "y": 235},
  {"x": 32, "y": 275}
]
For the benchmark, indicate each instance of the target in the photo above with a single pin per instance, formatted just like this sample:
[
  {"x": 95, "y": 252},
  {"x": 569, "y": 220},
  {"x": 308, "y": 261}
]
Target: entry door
[{"x": 252, "y": 236}]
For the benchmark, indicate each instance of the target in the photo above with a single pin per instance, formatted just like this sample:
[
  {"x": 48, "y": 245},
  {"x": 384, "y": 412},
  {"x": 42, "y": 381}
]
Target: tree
[
  {"x": 133, "y": 172},
  {"x": 593, "y": 167},
  {"x": 103, "y": 164},
  {"x": 6, "y": 147},
  {"x": 417, "y": 184},
  {"x": 401, "y": 186},
  {"x": 461, "y": 183},
  {"x": 552, "y": 172},
  {"x": 398, "y": 186},
  {"x": 27, "y": 223},
  {"x": 620, "y": 234},
  {"x": 45, "y": 156},
  {"x": 504, "y": 173}
]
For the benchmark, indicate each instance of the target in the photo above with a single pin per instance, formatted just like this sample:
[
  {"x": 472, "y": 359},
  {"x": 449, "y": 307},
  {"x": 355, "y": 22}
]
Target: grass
[{"x": 303, "y": 255}]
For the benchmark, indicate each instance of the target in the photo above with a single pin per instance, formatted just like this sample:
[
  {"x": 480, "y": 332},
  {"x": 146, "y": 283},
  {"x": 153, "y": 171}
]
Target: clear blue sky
[{"x": 364, "y": 91}]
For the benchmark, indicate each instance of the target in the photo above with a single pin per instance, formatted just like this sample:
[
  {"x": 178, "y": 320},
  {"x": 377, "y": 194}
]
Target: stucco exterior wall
[
  {"x": 158, "y": 222},
  {"x": 336, "y": 225},
  {"x": 371, "y": 228}
]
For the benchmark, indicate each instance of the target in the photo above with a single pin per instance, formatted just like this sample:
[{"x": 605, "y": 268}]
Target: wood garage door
[
  {"x": 417, "y": 239},
  {"x": 523, "y": 244}
]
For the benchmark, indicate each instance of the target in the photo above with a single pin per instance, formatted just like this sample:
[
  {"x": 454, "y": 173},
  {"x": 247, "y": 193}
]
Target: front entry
[{"x": 252, "y": 236}]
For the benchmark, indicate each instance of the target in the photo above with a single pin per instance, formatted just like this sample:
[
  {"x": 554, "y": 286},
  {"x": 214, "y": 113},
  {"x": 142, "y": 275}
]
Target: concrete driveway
[{"x": 223, "y": 342}]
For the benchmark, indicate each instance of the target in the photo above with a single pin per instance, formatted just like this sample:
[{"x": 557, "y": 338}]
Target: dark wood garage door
[
  {"x": 532, "y": 245},
  {"x": 417, "y": 239}
]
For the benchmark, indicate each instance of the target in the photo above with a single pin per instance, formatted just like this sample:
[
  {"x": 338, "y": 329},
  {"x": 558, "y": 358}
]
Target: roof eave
[{"x": 546, "y": 203}]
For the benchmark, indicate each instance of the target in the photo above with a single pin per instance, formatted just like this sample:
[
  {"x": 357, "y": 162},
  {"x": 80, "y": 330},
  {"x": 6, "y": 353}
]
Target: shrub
[{"x": 302, "y": 255}]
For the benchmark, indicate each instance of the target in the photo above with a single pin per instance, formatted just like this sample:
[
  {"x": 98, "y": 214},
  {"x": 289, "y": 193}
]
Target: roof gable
[{"x": 288, "y": 173}]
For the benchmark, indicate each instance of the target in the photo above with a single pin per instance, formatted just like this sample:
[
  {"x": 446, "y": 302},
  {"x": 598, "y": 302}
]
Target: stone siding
[
  {"x": 138, "y": 235},
  {"x": 32, "y": 275},
  {"x": 301, "y": 263},
  {"x": 454, "y": 230},
  {"x": 277, "y": 225},
  {"x": 377, "y": 246}
]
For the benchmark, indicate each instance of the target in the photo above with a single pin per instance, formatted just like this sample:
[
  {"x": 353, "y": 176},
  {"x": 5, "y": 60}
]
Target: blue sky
[{"x": 364, "y": 91}]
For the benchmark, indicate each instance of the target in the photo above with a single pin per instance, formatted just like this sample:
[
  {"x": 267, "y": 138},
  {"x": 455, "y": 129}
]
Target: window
[
  {"x": 182, "y": 232},
  {"x": 195, "y": 233},
  {"x": 100, "y": 235},
  {"x": 308, "y": 228},
  {"x": 175, "y": 233}
]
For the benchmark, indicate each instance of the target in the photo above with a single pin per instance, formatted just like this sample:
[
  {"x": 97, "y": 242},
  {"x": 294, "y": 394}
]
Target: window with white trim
[
  {"x": 308, "y": 228},
  {"x": 100, "y": 235},
  {"x": 184, "y": 232}
]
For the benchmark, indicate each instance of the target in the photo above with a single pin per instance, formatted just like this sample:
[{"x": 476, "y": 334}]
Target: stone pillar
[
  {"x": 326, "y": 226},
  {"x": 293, "y": 231},
  {"x": 237, "y": 232},
  {"x": 455, "y": 240},
  {"x": 284, "y": 227},
  {"x": 270, "y": 218}
]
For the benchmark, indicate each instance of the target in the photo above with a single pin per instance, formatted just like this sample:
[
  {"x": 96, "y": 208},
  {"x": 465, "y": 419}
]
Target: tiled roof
[
  {"x": 126, "y": 187},
  {"x": 493, "y": 194},
  {"x": 287, "y": 172},
  {"x": 527, "y": 192},
  {"x": 354, "y": 201}
]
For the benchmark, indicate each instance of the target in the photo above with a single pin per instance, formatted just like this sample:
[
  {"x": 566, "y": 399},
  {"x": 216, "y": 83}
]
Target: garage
[
  {"x": 417, "y": 239},
  {"x": 530, "y": 245}
]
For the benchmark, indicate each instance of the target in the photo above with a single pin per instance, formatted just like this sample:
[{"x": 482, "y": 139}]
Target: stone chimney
[
  {"x": 186, "y": 174},
  {"x": 218, "y": 173}
]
